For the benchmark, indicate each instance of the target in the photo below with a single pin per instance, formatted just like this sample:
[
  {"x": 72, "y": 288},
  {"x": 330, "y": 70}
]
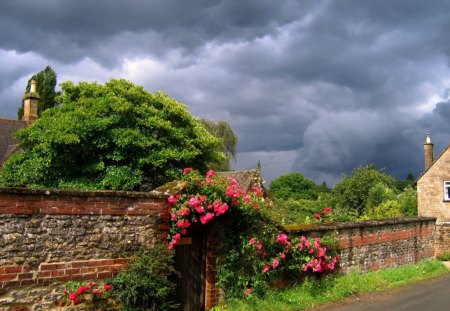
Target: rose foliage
[{"x": 254, "y": 251}]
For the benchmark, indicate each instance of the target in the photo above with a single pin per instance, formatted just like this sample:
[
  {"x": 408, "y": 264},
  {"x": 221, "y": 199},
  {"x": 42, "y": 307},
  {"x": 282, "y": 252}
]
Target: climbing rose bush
[{"x": 254, "y": 250}]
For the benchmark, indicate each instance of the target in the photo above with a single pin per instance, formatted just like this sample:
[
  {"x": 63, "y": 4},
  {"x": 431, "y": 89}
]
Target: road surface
[{"x": 430, "y": 295}]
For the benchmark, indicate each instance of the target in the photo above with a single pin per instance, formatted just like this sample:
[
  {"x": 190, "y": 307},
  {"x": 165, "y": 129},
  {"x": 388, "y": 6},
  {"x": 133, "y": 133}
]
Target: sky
[{"x": 316, "y": 87}]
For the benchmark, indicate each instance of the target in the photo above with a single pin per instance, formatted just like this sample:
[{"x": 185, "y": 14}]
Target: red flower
[
  {"x": 248, "y": 291},
  {"x": 90, "y": 284},
  {"x": 82, "y": 289},
  {"x": 282, "y": 239},
  {"x": 107, "y": 287},
  {"x": 73, "y": 296},
  {"x": 266, "y": 268},
  {"x": 317, "y": 216},
  {"x": 326, "y": 211},
  {"x": 187, "y": 170}
]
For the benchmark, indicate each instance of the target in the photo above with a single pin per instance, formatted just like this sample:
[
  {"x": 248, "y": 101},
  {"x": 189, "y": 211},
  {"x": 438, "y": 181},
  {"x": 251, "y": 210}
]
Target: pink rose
[
  {"x": 248, "y": 291},
  {"x": 210, "y": 174},
  {"x": 266, "y": 268},
  {"x": 206, "y": 218},
  {"x": 275, "y": 263},
  {"x": 172, "y": 199},
  {"x": 282, "y": 239}
]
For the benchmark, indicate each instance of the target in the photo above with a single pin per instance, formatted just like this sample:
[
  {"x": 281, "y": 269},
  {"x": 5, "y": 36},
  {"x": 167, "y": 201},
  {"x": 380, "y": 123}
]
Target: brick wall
[
  {"x": 54, "y": 235},
  {"x": 372, "y": 245}
]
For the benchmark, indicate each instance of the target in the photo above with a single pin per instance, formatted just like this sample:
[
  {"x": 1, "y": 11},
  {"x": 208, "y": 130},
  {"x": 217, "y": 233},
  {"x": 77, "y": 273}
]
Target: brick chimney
[
  {"x": 30, "y": 104},
  {"x": 429, "y": 153}
]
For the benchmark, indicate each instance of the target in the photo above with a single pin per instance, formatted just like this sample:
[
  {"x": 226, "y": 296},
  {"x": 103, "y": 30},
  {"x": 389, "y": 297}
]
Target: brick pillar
[{"x": 213, "y": 295}]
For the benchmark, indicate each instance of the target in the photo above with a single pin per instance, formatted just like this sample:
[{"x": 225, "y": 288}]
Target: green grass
[
  {"x": 444, "y": 257},
  {"x": 314, "y": 292}
]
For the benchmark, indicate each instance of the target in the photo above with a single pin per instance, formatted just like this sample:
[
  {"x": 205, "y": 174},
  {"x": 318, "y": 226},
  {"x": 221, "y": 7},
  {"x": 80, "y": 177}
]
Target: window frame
[{"x": 447, "y": 190}]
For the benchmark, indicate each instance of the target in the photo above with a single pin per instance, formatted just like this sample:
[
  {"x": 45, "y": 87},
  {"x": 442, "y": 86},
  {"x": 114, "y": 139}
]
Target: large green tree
[
  {"x": 352, "y": 193},
  {"x": 293, "y": 186},
  {"x": 222, "y": 130},
  {"x": 45, "y": 86},
  {"x": 111, "y": 136}
]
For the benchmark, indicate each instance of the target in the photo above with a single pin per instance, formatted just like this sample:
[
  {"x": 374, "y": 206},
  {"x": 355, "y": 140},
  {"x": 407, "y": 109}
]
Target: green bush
[{"x": 146, "y": 284}]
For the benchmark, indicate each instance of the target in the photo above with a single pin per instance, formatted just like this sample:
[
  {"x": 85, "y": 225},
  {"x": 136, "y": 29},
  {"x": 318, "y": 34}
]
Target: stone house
[
  {"x": 433, "y": 186},
  {"x": 8, "y": 145}
]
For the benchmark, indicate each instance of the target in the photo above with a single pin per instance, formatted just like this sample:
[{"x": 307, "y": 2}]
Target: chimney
[
  {"x": 30, "y": 104},
  {"x": 429, "y": 154}
]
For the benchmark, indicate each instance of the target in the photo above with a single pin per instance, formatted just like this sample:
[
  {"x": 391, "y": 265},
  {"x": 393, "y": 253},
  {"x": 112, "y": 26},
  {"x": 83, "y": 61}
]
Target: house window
[{"x": 446, "y": 190}]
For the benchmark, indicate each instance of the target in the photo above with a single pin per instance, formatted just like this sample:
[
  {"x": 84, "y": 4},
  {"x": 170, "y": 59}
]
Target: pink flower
[
  {"x": 247, "y": 199},
  {"x": 321, "y": 251},
  {"x": 172, "y": 199},
  {"x": 184, "y": 223},
  {"x": 258, "y": 191},
  {"x": 266, "y": 268},
  {"x": 252, "y": 241},
  {"x": 282, "y": 239},
  {"x": 199, "y": 209},
  {"x": 176, "y": 236},
  {"x": 107, "y": 287},
  {"x": 172, "y": 244},
  {"x": 193, "y": 202},
  {"x": 184, "y": 212},
  {"x": 259, "y": 246},
  {"x": 317, "y": 216},
  {"x": 282, "y": 255},
  {"x": 206, "y": 218},
  {"x": 248, "y": 291},
  {"x": 275, "y": 263},
  {"x": 210, "y": 174},
  {"x": 173, "y": 216},
  {"x": 220, "y": 209},
  {"x": 233, "y": 182},
  {"x": 317, "y": 243},
  {"x": 187, "y": 170},
  {"x": 90, "y": 284}
]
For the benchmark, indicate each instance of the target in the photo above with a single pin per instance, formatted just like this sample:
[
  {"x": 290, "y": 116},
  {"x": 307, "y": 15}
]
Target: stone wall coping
[
  {"x": 81, "y": 193},
  {"x": 359, "y": 224}
]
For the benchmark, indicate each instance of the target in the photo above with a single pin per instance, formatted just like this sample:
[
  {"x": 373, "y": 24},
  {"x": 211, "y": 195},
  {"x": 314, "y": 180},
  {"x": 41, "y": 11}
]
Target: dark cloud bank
[{"x": 318, "y": 87}]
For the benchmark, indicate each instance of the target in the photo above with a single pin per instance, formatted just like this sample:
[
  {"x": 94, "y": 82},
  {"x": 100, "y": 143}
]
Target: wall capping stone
[
  {"x": 81, "y": 193},
  {"x": 352, "y": 225}
]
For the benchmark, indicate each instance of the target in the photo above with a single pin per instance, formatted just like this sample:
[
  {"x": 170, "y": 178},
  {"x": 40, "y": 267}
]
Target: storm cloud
[{"x": 317, "y": 87}]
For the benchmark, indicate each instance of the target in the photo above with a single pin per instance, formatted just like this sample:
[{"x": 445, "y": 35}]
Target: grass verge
[{"x": 313, "y": 292}]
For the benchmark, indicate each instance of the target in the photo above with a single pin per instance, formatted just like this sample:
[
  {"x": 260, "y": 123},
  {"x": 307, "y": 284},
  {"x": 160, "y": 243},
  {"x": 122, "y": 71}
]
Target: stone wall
[
  {"x": 50, "y": 236},
  {"x": 430, "y": 189},
  {"x": 442, "y": 245},
  {"x": 372, "y": 245}
]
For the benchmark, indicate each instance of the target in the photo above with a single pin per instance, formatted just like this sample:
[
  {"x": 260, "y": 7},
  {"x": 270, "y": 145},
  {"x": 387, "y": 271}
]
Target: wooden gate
[{"x": 190, "y": 261}]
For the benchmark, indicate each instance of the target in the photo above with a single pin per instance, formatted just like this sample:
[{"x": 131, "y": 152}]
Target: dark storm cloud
[
  {"x": 72, "y": 30},
  {"x": 317, "y": 86}
]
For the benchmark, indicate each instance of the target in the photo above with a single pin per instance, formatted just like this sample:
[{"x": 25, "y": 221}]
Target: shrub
[{"x": 146, "y": 284}]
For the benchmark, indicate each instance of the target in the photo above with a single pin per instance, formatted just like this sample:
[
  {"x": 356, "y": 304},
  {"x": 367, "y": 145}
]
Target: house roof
[
  {"x": 437, "y": 159},
  {"x": 8, "y": 145},
  {"x": 245, "y": 179}
]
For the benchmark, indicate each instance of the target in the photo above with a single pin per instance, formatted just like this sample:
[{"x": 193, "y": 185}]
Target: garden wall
[
  {"x": 50, "y": 236},
  {"x": 442, "y": 237},
  {"x": 372, "y": 245}
]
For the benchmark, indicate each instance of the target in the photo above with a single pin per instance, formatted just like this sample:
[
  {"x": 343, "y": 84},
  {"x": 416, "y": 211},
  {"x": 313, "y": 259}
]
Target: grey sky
[{"x": 318, "y": 87}]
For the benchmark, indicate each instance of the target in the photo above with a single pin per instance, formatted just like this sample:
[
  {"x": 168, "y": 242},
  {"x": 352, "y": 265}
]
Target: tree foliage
[
  {"x": 222, "y": 130},
  {"x": 293, "y": 186},
  {"x": 111, "y": 136},
  {"x": 352, "y": 193},
  {"x": 45, "y": 85}
]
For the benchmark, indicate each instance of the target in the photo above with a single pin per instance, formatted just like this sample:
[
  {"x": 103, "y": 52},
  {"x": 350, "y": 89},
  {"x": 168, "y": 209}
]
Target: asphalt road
[{"x": 431, "y": 295}]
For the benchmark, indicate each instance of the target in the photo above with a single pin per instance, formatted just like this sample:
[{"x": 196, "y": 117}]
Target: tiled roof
[
  {"x": 8, "y": 145},
  {"x": 245, "y": 179}
]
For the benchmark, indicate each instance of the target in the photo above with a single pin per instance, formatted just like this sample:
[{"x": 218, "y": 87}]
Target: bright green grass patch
[{"x": 313, "y": 292}]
